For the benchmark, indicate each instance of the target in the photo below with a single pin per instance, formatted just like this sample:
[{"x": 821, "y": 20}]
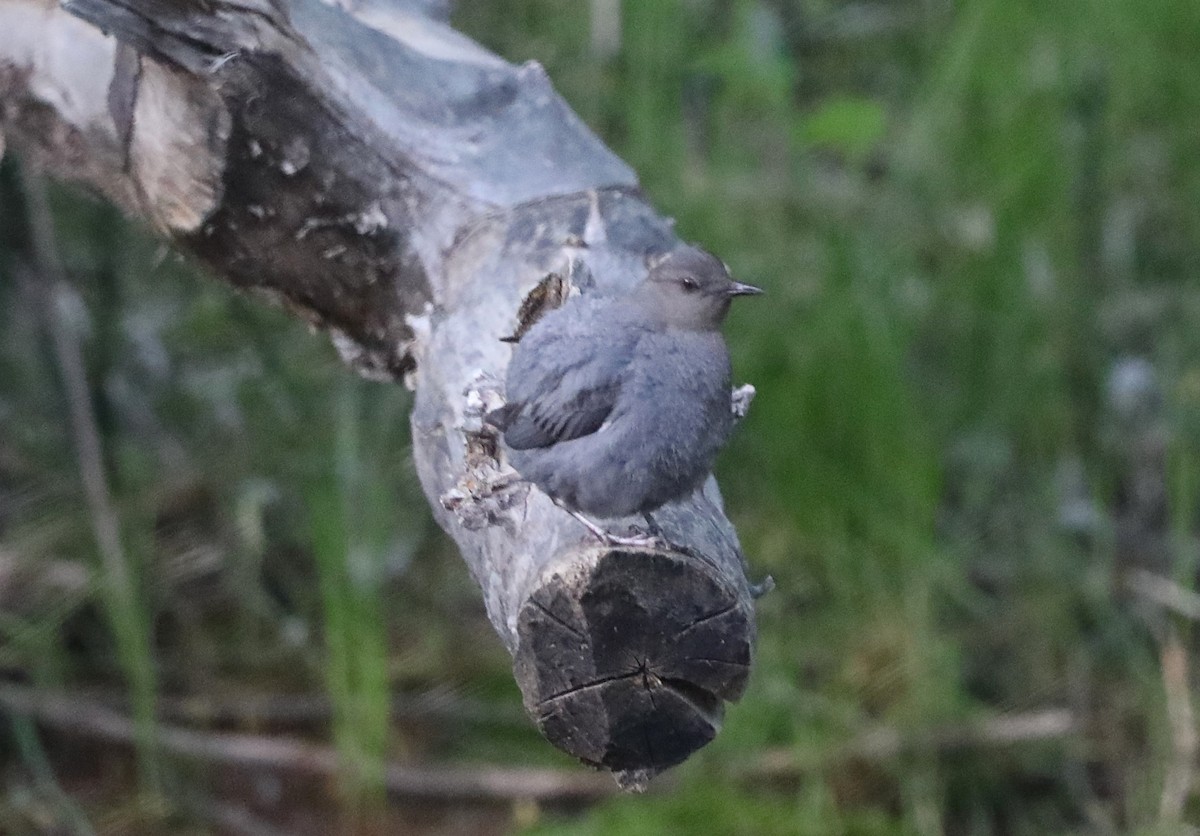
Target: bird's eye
[{"x": 689, "y": 284}]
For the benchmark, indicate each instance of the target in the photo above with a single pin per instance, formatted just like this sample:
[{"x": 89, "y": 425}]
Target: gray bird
[{"x": 619, "y": 403}]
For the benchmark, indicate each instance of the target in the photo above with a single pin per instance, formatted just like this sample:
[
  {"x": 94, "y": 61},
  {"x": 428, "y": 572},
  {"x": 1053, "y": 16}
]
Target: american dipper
[{"x": 618, "y": 403}]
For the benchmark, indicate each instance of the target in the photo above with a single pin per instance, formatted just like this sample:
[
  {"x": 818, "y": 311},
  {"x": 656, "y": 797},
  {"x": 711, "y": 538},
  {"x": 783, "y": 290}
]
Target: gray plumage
[{"x": 618, "y": 404}]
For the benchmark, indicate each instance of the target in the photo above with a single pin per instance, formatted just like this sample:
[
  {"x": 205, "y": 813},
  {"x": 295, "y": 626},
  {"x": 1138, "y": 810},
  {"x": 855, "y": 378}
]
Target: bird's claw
[
  {"x": 637, "y": 538},
  {"x": 606, "y": 537}
]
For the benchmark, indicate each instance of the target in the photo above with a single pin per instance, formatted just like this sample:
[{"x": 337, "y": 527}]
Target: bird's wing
[
  {"x": 564, "y": 388},
  {"x": 553, "y": 418}
]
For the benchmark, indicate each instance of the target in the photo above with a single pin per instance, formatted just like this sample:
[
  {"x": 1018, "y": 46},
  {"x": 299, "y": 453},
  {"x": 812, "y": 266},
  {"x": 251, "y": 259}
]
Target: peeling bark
[{"x": 389, "y": 180}]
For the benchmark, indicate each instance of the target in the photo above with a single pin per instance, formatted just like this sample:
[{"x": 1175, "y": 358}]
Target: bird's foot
[
  {"x": 636, "y": 539},
  {"x": 652, "y": 535},
  {"x": 662, "y": 541},
  {"x": 639, "y": 539}
]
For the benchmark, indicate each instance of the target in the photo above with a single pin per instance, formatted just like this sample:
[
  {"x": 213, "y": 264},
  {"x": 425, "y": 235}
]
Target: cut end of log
[{"x": 626, "y": 657}]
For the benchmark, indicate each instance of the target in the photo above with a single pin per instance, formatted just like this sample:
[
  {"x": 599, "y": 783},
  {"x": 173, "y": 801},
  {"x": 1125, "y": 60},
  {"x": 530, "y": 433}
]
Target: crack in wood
[
  {"x": 705, "y": 618},
  {"x": 578, "y": 689},
  {"x": 649, "y": 680},
  {"x": 560, "y": 621},
  {"x": 731, "y": 662},
  {"x": 702, "y": 701}
]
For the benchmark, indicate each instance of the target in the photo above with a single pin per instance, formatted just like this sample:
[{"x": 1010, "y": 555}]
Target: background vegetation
[{"x": 973, "y": 466}]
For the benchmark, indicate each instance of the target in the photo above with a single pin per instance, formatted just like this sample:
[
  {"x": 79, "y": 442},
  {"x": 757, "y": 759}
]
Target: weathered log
[{"x": 389, "y": 180}]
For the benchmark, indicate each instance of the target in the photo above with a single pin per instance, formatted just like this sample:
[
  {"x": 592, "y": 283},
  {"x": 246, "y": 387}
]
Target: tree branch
[
  {"x": 483, "y": 783},
  {"x": 885, "y": 742},
  {"x": 387, "y": 179}
]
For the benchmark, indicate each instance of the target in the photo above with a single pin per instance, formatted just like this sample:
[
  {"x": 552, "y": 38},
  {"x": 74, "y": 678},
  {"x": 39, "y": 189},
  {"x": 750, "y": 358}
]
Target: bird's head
[{"x": 691, "y": 289}]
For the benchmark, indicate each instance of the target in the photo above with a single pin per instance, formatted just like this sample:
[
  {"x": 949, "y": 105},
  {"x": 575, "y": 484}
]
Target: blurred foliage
[{"x": 977, "y": 224}]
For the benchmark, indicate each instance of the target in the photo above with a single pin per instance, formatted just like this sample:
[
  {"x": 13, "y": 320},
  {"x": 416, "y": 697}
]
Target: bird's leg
[
  {"x": 585, "y": 522},
  {"x": 654, "y": 532},
  {"x": 652, "y": 526},
  {"x": 660, "y": 536},
  {"x": 637, "y": 541}
]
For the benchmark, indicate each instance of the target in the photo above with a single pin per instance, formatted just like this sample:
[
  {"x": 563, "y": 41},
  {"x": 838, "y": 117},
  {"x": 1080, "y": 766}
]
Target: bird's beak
[{"x": 739, "y": 289}]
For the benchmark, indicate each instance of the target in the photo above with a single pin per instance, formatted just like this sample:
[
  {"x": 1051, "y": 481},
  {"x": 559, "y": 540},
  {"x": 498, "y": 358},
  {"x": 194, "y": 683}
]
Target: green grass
[{"x": 353, "y": 528}]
